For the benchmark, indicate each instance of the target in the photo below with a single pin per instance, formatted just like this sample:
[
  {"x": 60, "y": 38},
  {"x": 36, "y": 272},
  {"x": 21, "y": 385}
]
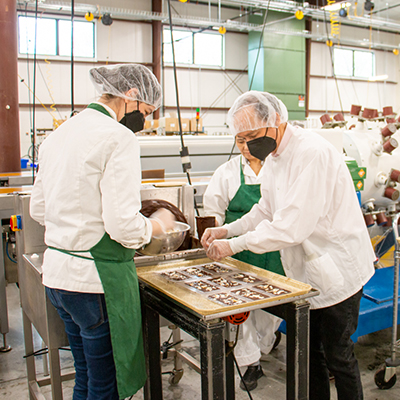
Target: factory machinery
[{"x": 371, "y": 150}]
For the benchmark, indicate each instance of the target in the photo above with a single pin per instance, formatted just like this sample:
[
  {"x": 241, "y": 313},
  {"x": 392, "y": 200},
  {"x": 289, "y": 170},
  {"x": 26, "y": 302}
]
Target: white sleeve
[
  {"x": 37, "y": 204},
  {"x": 216, "y": 197},
  {"x": 306, "y": 201},
  {"x": 120, "y": 190}
]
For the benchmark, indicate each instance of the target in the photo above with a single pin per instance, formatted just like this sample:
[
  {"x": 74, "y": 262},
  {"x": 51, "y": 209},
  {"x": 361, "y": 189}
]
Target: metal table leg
[
  {"x": 4, "y": 328},
  {"x": 296, "y": 315},
  {"x": 151, "y": 340},
  {"x": 212, "y": 359}
]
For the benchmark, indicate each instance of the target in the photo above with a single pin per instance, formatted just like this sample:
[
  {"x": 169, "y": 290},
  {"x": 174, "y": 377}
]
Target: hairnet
[
  {"x": 254, "y": 110},
  {"x": 119, "y": 79}
]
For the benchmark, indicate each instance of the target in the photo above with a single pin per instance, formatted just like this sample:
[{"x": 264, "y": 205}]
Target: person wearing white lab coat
[
  {"x": 309, "y": 211},
  {"x": 233, "y": 189},
  {"x": 87, "y": 195}
]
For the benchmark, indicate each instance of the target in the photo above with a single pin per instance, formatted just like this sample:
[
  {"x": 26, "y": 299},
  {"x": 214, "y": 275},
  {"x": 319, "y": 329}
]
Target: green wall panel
[{"x": 281, "y": 63}]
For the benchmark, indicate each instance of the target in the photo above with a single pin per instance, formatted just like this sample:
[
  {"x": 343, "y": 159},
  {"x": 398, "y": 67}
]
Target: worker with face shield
[
  {"x": 233, "y": 190},
  {"x": 87, "y": 195},
  {"x": 310, "y": 213}
]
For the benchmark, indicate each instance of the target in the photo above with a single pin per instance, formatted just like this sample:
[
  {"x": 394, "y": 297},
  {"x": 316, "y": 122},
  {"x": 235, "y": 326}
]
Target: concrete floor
[{"x": 371, "y": 350}]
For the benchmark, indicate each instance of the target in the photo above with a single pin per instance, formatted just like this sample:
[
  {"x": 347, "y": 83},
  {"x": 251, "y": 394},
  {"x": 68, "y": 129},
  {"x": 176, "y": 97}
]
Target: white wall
[
  {"x": 323, "y": 91},
  {"x": 127, "y": 41}
]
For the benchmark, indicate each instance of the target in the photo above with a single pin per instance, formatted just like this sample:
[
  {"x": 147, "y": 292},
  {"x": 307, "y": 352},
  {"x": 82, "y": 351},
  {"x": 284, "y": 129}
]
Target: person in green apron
[
  {"x": 232, "y": 192},
  {"x": 87, "y": 195}
]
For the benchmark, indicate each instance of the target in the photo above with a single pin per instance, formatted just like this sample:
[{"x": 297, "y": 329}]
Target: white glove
[
  {"x": 162, "y": 221},
  {"x": 219, "y": 249},
  {"x": 210, "y": 234}
]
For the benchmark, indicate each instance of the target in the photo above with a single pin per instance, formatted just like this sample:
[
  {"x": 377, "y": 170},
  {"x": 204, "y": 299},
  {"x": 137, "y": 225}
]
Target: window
[
  {"x": 54, "y": 37},
  {"x": 200, "y": 48},
  {"x": 353, "y": 63}
]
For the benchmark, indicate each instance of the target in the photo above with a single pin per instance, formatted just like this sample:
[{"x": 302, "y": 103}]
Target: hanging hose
[
  {"x": 8, "y": 254},
  {"x": 185, "y": 159}
]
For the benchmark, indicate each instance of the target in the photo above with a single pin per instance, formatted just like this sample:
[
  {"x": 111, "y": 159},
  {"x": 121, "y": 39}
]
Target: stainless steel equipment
[
  {"x": 167, "y": 242},
  {"x": 37, "y": 310}
]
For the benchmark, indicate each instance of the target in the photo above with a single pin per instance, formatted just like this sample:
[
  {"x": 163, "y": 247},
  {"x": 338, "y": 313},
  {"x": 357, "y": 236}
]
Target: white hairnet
[
  {"x": 254, "y": 110},
  {"x": 119, "y": 79}
]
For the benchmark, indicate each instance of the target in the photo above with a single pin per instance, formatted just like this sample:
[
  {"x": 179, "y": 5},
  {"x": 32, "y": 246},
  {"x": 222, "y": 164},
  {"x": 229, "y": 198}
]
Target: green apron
[
  {"x": 117, "y": 272},
  {"x": 241, "y": 204}
]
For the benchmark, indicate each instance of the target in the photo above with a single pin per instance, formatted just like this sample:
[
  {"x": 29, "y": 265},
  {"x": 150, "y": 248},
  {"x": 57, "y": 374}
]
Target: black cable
[
  {"x": 72, "y": 54},
  {"x": 28, "y": 73},
  {"x": 259, "y": 45},
  {"x": 184, "y": 151},
  {"x": 241, "y": 376},
  {"x": 34, "y": 97}
]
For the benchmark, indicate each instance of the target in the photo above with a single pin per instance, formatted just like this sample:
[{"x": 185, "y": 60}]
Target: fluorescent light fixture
[
  {"x": 378, "y": 78},
  {"x": 336, "y": 6}
]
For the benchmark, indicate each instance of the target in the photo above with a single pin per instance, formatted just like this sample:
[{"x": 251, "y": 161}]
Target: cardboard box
[
  {"x": 196, "y": 127},
  {"x": 151, "y": 125},
  {"x": 170, "y": 124},
  {"x": 185, "y": 124}
]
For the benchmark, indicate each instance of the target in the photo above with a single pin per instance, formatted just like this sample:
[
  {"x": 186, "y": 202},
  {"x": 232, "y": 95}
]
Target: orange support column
[{"x": 9, "y": 109}]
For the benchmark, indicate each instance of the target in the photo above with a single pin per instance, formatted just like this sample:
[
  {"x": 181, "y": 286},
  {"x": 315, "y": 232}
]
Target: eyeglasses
[{"x": 241, "y": 140}]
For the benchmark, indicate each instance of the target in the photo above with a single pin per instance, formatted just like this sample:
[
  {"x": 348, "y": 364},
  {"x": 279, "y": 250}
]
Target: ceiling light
[
  {"x": 378, "y": 78},
  {"x": 337, "y": 6}
]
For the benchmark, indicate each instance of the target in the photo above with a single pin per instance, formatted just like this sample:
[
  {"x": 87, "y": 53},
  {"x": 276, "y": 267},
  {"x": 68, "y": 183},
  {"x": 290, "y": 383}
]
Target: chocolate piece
[
  {"x": 219, "y": 269},
  {"x": 245, "y": 278},
  {"x": 276, "y": 291},
  {"x": 197, "y": 272},
  {"x": 250, "y": 294},
  {"x": 202, "y": 286},
  {"x": 219, "y": 280},
  {"x": 226, "y": 299},
  {"x": 175, "y": 275}
]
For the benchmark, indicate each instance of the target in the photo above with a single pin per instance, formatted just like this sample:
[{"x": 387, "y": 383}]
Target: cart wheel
[
  {"x": 380, "y": 379},
  {"x": 175, "y": 377}
]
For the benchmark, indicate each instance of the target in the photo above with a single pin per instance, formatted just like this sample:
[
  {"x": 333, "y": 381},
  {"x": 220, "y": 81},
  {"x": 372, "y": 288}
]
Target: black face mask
[
  {"x": 262, "y": 147},
  {"x": 133, "y": 120}
]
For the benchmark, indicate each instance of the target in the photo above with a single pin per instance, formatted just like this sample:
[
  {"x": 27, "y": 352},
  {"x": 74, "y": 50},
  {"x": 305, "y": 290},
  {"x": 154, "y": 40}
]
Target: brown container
[
  {"x": 387, "y": 111},
  {"x": 376, "y": 114},
  {"x": 381, "y": 219},
  {"x": 203, "y": 223},
  {"x": 369, "y": 220},
  {"x": 338, "y": 117},
  {"x": 390, "y": 145},
  {"x": 368, "y": 113},
  {"x": 325, "y": 118},
  {"x": 392, "y": 193},
  {"x": 390, "y": 120},
  {"x": 395, "y": 175},
  {"x": 389, "y": 130},
  {"x": 355, "y": 110}
]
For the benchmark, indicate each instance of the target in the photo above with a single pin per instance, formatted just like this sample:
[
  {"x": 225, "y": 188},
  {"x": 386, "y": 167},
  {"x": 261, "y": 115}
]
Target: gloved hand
[
  {"x": 219, "y": 249},
  {"x": 210, "y": 234},
  {"x": 162, "y": 221}
]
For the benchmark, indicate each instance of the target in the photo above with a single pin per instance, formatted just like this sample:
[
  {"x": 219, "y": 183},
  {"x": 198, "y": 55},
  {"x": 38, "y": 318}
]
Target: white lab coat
[
  {"x": 88, "y": 183},
  {"x": 309, "y": 211},
  {"x": 259, "y": 329}
]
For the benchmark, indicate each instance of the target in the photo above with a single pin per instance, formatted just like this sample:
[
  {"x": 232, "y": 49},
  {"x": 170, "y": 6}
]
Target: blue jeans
[
  {"x": 86, "y": 324},
  {"x": 331, "y": 349}
]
